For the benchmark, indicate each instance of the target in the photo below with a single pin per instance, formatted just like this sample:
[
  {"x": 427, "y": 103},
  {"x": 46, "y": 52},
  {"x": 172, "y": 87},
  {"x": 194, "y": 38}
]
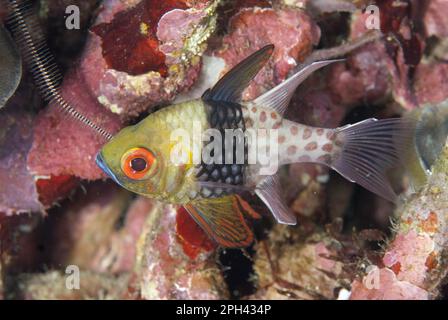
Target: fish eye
[{"x": 138, "y": 163}]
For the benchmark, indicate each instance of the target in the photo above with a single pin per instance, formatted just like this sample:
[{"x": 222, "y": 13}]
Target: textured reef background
[{"x": 132, "y": 57}]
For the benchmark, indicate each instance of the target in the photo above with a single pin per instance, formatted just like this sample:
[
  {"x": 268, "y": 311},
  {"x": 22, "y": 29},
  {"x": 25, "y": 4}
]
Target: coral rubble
[{"x": 131, "y": 57}]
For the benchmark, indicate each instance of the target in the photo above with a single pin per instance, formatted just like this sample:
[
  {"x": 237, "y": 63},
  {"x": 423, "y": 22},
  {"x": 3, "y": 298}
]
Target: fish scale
[{"x": 223, "y": 116}]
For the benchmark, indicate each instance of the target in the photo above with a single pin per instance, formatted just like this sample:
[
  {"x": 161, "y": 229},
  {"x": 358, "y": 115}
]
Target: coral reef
[
  {"x": 413, "y": 265},
  {"x": 299, "y": 35},
  {"x": 288, "y": 269},
  {"x": 47, "y": 157},
  {"x": 101, "y": 286},
  {"x": 97, "y": 83},
  {"x": 16, "y": 179},
  {"x": 166, "y": 272},
  {"x": 157, "y": 54},
  {"x": 132, "y": 57}
]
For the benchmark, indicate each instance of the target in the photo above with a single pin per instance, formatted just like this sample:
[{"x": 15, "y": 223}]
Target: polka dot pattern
[{"x": 296, "y": 142}]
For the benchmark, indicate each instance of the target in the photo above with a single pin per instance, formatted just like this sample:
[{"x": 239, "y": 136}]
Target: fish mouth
[{"x": 103, "y": 166}]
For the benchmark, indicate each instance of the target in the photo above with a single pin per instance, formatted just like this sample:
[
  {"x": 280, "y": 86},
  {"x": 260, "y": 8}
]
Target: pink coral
[
  {"x": 431, "y": 83},
  {"x": 18, "y": 192},
  {"x": 159, "y": 37},
  {"x": 161, "y": 258},
  {"x": 99, "y": 231},
  {"x": 142, "y": 53},
  {"x": 71, "y": 148},
  {"x": 21, "y": 190},
  {"x": 252, "y": 28},
  {"x": 436, "y": 20},
  {"x": 364, "y": 78},
  {"x": 416, "y": 256},
  {"x": 388, "y": 287},
  {"x": 409, "y": 267},
  {"x": 95, "y": 84}
]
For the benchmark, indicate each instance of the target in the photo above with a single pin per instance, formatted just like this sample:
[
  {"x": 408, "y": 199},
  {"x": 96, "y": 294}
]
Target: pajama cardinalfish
[{"x": 138, "y": 157}]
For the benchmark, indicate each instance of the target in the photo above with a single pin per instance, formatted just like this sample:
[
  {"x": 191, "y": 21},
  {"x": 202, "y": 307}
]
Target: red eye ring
[{"x": 137, "y": 162}]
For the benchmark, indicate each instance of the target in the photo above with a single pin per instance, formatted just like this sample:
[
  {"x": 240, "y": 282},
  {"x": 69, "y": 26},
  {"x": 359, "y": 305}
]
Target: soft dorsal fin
[
  {"x": 232, "y": 85},
  {"x": 269, "y": 191},
  {"x": 279, "y": 97},
  {"x": 223, "y": 220}
]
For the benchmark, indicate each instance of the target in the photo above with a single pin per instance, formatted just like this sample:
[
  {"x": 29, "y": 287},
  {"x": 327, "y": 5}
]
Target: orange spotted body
[{"x": 296, "y": 142}]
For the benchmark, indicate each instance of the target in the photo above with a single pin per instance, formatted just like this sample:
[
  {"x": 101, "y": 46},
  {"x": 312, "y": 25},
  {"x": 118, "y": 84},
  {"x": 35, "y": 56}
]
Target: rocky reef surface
[{"x": 132, "y": 57}]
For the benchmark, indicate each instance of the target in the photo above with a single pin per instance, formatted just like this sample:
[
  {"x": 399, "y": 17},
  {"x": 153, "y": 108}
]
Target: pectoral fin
[
  {"x": 269, "y": 191},
  {"x": 232, "y": 85},
  {"x": 222, "y": 219}
]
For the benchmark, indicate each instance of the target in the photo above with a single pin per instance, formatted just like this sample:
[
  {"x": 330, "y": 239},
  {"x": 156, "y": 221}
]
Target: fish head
[{"x": 136, "y": 159}]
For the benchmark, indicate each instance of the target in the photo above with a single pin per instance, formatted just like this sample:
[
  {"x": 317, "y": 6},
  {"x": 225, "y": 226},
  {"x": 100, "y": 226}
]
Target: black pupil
[{"x": 138, "y": 164}]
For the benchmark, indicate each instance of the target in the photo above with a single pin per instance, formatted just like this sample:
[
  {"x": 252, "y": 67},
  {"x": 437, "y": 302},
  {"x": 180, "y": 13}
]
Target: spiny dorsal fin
[
  {"x": 269, "y": 192},
  {"x": 279, "y": 97},
  {"x": 232, "y": 85}
]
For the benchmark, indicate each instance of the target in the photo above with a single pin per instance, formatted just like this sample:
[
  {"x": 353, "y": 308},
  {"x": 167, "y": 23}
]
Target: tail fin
[
  {"x": 29, "y": 37},
  {"x": 369, "y": 148}
]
